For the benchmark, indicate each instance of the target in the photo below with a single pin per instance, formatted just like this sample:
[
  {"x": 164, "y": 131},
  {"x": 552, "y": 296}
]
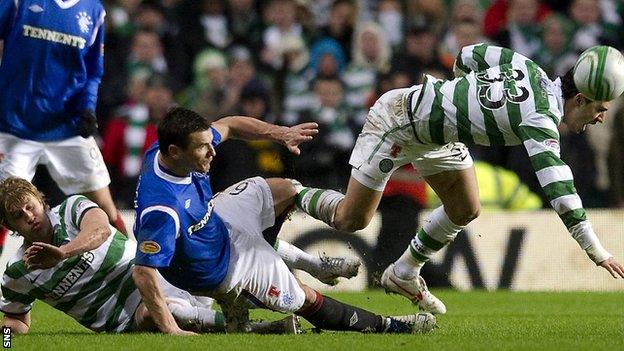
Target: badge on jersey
[{"x": 149, "y": 247}]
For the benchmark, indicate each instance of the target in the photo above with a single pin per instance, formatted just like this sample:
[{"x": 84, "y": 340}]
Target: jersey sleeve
[
  {"x": 94, "y": 64},
  {"x": 159, "y": 226},
  {"x": 557, "y": 182},
  {"x": 72, "y": 211},
  {"x": 8, "y": 9},
  {"x": 479, "y": 57},
  {"x": 216, "y": 137},
  {"x": 14, "y": 284}
]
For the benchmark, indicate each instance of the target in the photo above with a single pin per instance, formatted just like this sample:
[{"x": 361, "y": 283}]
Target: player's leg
[
  {"x": 326, "y": 313},
  {"x": 450, "y": 173},
  {"x": 77, "y": 166},
  {"x": 267, "y": 198},
  {"x": 18, "y": 158}
]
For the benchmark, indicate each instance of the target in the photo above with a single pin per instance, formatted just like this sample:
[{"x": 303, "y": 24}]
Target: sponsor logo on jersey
[
  {"x": 149, "y": 247},
  {"x": 72, "y": 276},
  {"x": 202, "y": 223},
  {"x": 273, "y": 291},
  {"x": 84, "y": 21},
  {"x": 552, "y": 144},
  {"x": 53, "y": 36},
  {"x": 35, "y": 8}
]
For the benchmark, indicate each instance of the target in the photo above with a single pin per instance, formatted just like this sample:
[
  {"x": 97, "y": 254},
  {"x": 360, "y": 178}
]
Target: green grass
[{"x": 475, "y": 321}]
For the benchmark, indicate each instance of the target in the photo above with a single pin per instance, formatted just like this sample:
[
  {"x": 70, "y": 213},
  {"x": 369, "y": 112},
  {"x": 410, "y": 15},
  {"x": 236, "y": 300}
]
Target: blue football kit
[
  {"x": 51, "y": 67},
  {"x": 176, "y": 228}
]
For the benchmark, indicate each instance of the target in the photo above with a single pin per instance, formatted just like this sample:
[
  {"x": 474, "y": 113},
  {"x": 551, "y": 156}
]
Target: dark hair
[
  {"x": 568, "y": 88},
  {"x": 177, "y": 125}
]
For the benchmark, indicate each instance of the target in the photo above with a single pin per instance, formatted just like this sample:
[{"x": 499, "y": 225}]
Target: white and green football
[{"x": 599, "y": 73}]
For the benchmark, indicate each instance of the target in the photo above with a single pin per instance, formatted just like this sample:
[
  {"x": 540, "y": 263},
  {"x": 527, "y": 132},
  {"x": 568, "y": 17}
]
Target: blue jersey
[
  {"x": 176, "y": 228},
  {"x": 51, "y": 67}
]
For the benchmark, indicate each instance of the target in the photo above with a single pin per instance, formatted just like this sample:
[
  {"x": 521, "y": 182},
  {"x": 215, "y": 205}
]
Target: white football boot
[
  {"x": 334, "y": 267},
  {"x": 414, "y": 289},
  {"x": 423, "y": 322}
]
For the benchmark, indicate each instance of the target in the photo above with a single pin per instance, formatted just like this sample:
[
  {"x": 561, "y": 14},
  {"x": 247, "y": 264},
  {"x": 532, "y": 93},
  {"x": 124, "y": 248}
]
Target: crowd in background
[{"x": 291, "y": 61}]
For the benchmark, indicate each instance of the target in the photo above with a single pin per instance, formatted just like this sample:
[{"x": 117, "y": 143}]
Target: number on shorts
[{"x": 239, "y": 188}]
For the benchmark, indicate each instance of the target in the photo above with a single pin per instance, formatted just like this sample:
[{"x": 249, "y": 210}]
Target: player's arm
[
  {"x": 146, "y": 280},
  {"x": 19, "y": 323},
  {"x": 479, "y": 57},
  {"x": 247, "y": 128},
  {"x": 157, "y": 228},
  {"x": 556, "y": 179},
  {"x": 7, "y": 16},
  {"x": 94, "y": 230}
]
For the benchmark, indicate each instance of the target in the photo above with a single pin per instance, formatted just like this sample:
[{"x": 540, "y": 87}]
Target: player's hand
[
  {"x": 614, "y": 267},
  {"x": 181, "y": 332},
  {"x": 42, "y": 256},
  {"x": 295, "y": 135},
  {"x": 88, "y": 124}
]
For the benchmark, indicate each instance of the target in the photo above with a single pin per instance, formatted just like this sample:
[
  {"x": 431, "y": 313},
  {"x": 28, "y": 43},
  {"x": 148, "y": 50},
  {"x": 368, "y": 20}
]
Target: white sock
[
  {"x": 437, "y": 232},
  {"x": 186, "y": 314},
  {"x": 296, "y": 258},
  {"x": 319, "y": 203}
]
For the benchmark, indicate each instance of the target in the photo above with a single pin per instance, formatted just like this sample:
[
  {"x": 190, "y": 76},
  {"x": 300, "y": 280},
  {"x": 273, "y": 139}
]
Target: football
[{"x": 599, "y": 73}]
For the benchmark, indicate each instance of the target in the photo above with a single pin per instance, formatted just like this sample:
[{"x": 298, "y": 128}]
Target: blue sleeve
[
  {"x": 156, "y": 237},
  {"x": 94, "y": 64},
  {"x": 7, "y": 16},
  {"x": 216, "y": 137}
]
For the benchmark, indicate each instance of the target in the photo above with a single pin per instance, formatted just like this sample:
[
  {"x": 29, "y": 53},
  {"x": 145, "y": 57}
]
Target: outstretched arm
[
  {"x": 541, "y": 140},
  {"x": 247, "y": 128}
]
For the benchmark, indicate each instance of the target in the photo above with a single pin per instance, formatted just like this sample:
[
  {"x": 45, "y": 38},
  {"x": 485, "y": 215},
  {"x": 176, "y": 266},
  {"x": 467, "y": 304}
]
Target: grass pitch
[{"x": 475, "y": 321}]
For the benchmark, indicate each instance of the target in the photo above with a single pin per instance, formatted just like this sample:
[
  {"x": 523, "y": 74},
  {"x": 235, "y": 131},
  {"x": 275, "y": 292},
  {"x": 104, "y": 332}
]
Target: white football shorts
[
  {"x": 387, "y": 142},
  {"x": 75, "y": 164},
  {"x": 255, "y": 271}
]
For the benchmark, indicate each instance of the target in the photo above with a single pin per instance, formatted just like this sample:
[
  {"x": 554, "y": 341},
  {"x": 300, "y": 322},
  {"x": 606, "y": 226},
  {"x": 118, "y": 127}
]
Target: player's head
[
  {"x": 596, "y": 79},
  {"x": 23, "y": 209},
  {"x": 185, "y": 139}
]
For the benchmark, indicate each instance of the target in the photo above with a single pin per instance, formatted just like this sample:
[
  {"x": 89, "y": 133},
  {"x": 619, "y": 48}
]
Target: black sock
[
  {"x": 270, "y": 234},
  {"x": 327, "y": 313}
]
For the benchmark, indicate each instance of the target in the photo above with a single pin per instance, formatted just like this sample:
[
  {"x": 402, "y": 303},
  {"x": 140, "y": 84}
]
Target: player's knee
[{"x": 466, "y": 214}]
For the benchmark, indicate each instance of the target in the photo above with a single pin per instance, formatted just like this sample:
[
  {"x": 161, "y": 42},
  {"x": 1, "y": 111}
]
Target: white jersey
[
  {"x": 501, "y": 98},
  {"x": 95, "y": 288}
]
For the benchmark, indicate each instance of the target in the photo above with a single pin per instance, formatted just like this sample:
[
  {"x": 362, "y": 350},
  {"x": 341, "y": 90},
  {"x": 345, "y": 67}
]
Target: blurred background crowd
[{"x": 291, "y": 61}]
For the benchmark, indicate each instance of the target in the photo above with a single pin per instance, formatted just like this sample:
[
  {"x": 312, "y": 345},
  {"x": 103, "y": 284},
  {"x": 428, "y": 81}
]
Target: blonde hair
[{"x": 14, "y": 192}]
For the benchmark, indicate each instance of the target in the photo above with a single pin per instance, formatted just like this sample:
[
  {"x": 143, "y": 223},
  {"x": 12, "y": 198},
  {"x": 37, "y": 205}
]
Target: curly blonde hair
[{"x": 14, "y": 192}]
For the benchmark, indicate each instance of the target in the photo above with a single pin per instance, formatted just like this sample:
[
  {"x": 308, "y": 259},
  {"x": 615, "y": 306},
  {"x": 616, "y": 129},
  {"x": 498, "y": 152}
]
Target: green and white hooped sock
[
  {"x": 437, "y": 232},
  {"x": 319, "y": 203}
]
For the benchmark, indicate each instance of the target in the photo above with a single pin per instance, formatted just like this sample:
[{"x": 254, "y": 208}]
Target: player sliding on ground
[
  {"x": 214, "y": 245},
  {"x": 498, "y": 97},
  {"x": 75, "y": 261}
]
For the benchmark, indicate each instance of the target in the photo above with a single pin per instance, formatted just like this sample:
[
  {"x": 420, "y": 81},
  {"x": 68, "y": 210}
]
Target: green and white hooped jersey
[
  {"x": 501, "y": 98},
  {"x": 95, "y": 288}
]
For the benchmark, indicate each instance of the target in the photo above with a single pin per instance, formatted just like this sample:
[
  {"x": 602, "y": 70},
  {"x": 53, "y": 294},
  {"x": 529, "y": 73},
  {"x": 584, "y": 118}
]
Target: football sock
[
  {"x": 120, "y": 224},
  {"x": 327, "y": 313},
  {"x": 319, "y": 203},
  {"x": 437, "y": 232},
  {"x": 296, "y": 258},
  {"x": 188, "y": 315},
  {"x": 4, "y": 232}
]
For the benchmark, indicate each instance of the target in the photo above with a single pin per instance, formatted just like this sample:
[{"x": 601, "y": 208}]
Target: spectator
[
  {"x": 293, "y": 81},
  {"x": 340, "y": 24},
  {"x": 240, "y": 159},
  {"x": 207, "y": 95},
  {"x": 324, "y": 160},
  {"x": 460, "y": 34},
  {"x": 129, "y": 135},
  {"x": 282, "y": 18},
  {"x": 591, "y": 29},
  {"x": 371, "y": 55},
  {"x": 244, "y": 22},
  {"x": 327, "y": 58},
  {"x": 555, "y": 54},
  {"x": 521, "y": 32}
]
